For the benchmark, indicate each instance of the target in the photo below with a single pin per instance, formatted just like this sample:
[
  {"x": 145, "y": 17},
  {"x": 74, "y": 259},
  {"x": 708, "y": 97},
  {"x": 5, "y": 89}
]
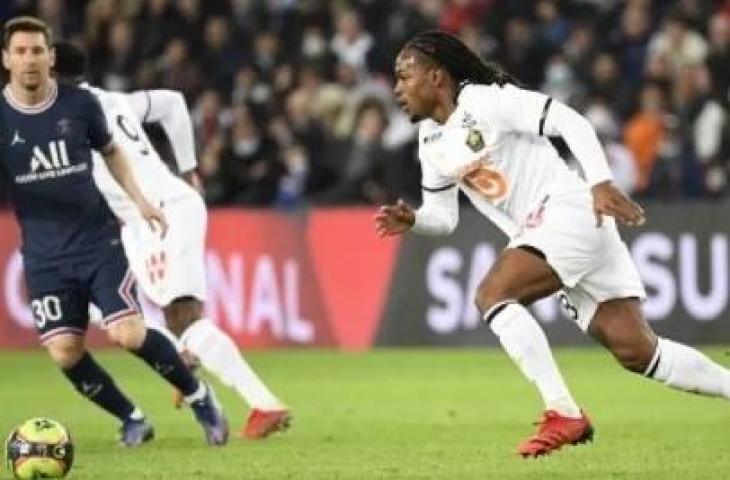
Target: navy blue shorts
[{"x": 60, "y": 295}]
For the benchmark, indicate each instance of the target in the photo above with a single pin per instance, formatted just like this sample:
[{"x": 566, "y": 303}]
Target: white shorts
[
  {"x": 174, "y": 266},
  {"x": 593, "y": 263}
]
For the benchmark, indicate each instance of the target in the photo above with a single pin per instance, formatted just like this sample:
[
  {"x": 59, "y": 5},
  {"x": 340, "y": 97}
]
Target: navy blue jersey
[{"x": 45, "y": 151}]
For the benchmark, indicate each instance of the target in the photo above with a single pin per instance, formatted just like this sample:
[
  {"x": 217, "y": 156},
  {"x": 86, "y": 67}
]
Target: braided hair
[{"x": 463, "y": 65}]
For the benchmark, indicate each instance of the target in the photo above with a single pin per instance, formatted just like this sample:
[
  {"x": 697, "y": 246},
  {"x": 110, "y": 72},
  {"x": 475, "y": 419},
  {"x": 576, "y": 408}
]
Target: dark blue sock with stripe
[
  {"x": 159, "y": 353},
  {"x": 92, "y": 381}
]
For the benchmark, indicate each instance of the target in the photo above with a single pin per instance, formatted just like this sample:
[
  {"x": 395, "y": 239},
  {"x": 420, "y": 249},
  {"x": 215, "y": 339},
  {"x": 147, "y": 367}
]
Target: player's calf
[
  {"x": 635, "y": 359},
  {"x": 620, "y": 326}
]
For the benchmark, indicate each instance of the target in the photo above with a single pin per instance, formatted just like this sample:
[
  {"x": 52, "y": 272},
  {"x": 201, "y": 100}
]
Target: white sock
[
  {"x": 685, "y": 368},
  {"x": 220, "y": 356},
  {"x": 525, "y": 342},
  {"x": 198, "y": 394},
  {"x": 136, "y": 414}
]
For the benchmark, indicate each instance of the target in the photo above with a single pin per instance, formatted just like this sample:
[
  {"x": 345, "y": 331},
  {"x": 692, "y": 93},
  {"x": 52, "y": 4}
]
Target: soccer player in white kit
[
  {"x": 483, "y": 135},
  {"x": 171, "y": 270}
]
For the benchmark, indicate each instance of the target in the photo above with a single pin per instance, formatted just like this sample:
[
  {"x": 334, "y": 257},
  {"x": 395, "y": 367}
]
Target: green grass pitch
[{"x": 388, "y": 414}]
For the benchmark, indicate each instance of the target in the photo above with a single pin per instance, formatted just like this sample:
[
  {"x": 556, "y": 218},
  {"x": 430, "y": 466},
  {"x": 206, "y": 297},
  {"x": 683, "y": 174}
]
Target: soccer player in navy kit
[{"x": 72, "y": 253}]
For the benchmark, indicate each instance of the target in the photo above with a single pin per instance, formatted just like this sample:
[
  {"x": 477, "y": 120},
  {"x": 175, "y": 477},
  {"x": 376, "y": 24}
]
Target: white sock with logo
[
  {"x": 219, "y": 355},
  {"x": 688, "y": 369},
  {"x": 526, "y": 344}
]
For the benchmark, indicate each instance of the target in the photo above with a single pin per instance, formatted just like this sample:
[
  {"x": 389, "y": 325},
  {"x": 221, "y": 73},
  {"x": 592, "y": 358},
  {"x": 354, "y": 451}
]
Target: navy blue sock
[
  {"x": 159, "y": 353},
  {"x": 92, "y": 381}
]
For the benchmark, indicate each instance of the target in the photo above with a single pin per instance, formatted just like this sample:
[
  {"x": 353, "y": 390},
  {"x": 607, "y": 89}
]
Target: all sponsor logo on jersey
[{"x": 53, "y": 165}]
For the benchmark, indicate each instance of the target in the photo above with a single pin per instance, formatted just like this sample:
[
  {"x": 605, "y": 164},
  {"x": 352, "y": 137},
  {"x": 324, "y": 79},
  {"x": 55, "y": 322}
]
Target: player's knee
[
  {"x": 128, "y": 332},
  {"x": 634, "y": 358},
  {"x": 180, "y": 314},
  {"x": 489, "y": 294},
  {"x": 65, "y": 350}
]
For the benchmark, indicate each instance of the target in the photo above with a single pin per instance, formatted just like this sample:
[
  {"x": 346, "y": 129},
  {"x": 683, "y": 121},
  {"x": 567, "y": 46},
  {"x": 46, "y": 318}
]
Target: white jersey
[
  {"x": 492, "y": 147},
  {"x": 156, "y": 181}
]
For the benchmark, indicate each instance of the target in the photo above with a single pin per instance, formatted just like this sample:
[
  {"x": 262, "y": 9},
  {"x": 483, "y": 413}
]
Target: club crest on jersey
[
  {"x": 474, "y": 140},
  {"x": 63, "y": 127}
]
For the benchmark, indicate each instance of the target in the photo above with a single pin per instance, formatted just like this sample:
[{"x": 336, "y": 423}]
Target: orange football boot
[
  {"x": 554, "y": 431},
  {"x": 262, "y": 423}
]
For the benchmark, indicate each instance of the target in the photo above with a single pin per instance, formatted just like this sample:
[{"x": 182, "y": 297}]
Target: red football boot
[
  {"x": 262, "y": 423},
  {"x": 554, "y": 431}
]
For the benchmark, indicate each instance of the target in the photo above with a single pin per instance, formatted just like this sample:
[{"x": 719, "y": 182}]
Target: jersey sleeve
[
  {"x": 431, "y": 179},
  {"x": 439, "y": 212},
  {"x": 99, "y": 135},
  {"x": 168, "y": 108},
  {"x": 141, "y": 104},
  {"x": 508, "y": 108}
]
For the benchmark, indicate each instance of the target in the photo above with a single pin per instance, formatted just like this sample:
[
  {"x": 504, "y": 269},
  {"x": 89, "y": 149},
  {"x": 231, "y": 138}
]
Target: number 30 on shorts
[{"x": 46, "y": 309}]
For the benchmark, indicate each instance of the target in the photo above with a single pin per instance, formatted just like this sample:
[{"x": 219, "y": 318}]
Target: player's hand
[
  {"x": 155, "y": 218},
  {"x": 394, "y": 219},
  {"x": 609, "y": 200}
]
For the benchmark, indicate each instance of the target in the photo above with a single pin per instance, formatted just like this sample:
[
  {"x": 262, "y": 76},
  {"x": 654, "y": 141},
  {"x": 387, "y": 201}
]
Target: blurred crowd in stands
[{"x": 292, "y": 105}]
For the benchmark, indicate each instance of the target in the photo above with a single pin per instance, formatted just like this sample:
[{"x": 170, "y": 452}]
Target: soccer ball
[{"x": 39, "y": 448}]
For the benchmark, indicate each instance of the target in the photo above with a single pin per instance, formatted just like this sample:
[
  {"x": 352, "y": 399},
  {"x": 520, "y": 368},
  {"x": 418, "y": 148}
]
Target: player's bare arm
[
  {"x": 119, "y": 168},
  {"x": 394, "y": 219}
]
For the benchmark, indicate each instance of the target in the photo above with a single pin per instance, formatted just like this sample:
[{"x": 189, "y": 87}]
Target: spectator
[
  {"x": 620, "y": 158},
  {"x": 677, "y": 43},
  {"x": 220, "y": 57},
  {"x": 360, "y": 159},
  {"x": 718, "y": 60},
  {"x": 116, "y": 66},
  {"x": 176, "y": 69},
  {"x": 630, "y": 43},
  {"x": 644, "y": 133},
  {"x": 607, "y": 82},
  {"x": 294, "y": 76},
  {"x": 250, "y": 166},
  {"x": 351, "y": 44}
]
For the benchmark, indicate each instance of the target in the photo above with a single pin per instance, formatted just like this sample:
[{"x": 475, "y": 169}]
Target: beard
[
  {"x": 31, "y": 84},
  {"x": 31, "y": 87}
]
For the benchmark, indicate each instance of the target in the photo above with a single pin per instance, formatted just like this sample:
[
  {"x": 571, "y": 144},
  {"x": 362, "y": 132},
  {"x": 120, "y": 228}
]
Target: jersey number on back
[{"x": 132, "y": 133}]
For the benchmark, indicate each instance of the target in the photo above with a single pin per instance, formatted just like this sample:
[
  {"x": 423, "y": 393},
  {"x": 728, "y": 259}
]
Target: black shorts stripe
[
  {"x": 439, "y": 189},
  {"x": 535, "y": 251},
  {"x": 544, "y": 114}
]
